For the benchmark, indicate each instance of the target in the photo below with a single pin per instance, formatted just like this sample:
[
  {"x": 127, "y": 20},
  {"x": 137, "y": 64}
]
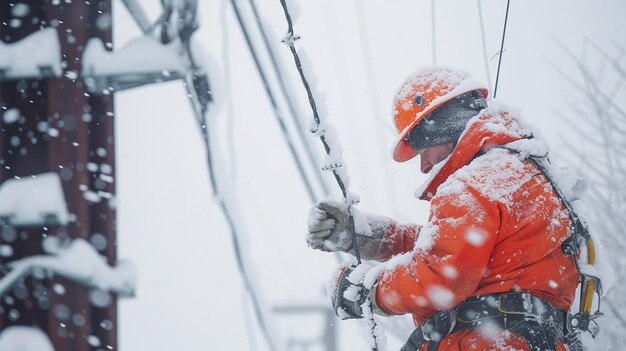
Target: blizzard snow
[
  {"x": 273, "y": 202},
  {"x": 11, "y": 115}
]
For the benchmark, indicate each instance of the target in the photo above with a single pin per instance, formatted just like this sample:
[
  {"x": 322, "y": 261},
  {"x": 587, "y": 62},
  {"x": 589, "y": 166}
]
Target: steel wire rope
[
  {"x": 290, "y": 39},
  {"x": 506, "y": 19},
  {"x": 310, "y": 192},
  {"x": 272, "y": 99},
  {"x": 245, "y": 293},
  {"x": 201, "y": 119},
  {"x": 200, "y": 112},
  {"x": 283, "y": 88},
  {"x": 482, "y": 35},
  {"x": 229, "y": 104}
]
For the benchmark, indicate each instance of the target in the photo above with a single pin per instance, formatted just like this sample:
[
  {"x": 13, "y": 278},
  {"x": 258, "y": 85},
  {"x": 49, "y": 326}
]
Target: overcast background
[{"x": 189, "y": 294}]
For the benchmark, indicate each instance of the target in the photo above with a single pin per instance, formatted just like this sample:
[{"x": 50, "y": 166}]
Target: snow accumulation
[
  {"x": 462, "y": 79},
  {"x": 22, "y": 338},
  {"x": 33, "y": 201},
  {"x": 141, "y": 55},
  {"x": 294, "y": 9},
  {"x": 434, "y": 80},
  {"x": 334, "y": 160},
  {"x": 34, "y": 56},
  {"x": 79, "y": 262}
]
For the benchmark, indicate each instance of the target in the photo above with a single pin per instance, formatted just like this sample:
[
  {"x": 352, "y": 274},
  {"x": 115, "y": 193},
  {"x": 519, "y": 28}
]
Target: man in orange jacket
[{"x": 487, "y": 271}]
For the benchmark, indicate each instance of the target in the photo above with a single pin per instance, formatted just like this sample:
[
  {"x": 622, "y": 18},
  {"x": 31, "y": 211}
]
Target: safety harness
[{"x": 537, "y": 321}]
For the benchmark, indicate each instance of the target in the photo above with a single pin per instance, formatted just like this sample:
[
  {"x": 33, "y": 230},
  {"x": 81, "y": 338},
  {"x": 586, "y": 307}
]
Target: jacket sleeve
[
  {"x": 449, "y": 257},
  {"x": 398, "y": 239}
]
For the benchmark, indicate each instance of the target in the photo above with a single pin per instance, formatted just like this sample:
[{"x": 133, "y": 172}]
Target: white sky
[{"x": 189, "y": 291}]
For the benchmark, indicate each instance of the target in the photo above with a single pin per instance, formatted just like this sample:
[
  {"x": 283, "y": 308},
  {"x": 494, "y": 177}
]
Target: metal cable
[
  {"x": 201, "y": 119},
  {"x": 482, "y": 35},
  {"x": 506, "y": 19},
  {"x": 290, "y": 39},
  {"x": 200, "y": 113},
  {"x": 272, "y": 99},
  {"x": 285, "y": 91}
]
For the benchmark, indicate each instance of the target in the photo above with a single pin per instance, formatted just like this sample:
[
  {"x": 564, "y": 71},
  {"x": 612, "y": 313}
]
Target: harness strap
[{"x": 537, "y": 321}]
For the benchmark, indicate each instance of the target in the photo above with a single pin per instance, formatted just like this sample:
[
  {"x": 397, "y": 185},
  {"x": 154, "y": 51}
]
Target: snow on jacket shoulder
[{"x": 495, "y": 225}]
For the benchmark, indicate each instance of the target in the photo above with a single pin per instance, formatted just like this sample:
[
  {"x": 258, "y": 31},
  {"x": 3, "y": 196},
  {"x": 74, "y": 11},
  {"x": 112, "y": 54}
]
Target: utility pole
[{"x": 50, "y": 123}]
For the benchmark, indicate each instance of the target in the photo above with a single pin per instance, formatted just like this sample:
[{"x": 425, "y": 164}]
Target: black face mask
[{"x": 446, "y": 123}]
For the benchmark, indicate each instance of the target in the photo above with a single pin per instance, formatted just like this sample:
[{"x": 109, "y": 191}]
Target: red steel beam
[{"x": 82, "y": 153}]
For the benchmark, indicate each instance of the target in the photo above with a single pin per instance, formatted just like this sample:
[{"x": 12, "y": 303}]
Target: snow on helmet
[{"x": 421, "y": 94}]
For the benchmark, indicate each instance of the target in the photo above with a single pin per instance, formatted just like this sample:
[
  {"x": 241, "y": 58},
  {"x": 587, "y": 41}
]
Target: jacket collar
[{"x": 492, "y": 127}]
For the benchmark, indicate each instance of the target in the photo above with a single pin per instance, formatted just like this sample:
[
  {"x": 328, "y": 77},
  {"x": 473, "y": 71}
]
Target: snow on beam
[
  {"x": 36, "y": 201},
  {"x": 23, "y": 338},
  {"x": 79, "y": 262},
  {"x": 143, "y": 60},
  {"x": 36, "y": 56}
]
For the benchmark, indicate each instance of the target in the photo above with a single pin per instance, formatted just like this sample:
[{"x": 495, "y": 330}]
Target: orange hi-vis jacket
[{"x": 495, "y": 225}]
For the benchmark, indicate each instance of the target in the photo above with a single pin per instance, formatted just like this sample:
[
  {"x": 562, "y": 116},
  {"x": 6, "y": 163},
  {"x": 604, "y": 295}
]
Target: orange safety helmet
[{"x": 420, "y": 95}]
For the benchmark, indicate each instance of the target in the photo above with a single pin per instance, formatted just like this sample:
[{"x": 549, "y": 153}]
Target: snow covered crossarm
[
  {"x": 34, "y": 201},
  {"x": 24, "y": 338},
  {"x": 141, "y": 61},
  {"x": 79, "y": 262},
  {"x": 36, "y": 56}
]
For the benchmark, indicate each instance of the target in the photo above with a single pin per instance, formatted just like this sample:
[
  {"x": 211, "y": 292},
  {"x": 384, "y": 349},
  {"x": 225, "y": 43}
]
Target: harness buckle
[
  {"x": 584, "y": 322},
  {"x": 527, "y": 304}
]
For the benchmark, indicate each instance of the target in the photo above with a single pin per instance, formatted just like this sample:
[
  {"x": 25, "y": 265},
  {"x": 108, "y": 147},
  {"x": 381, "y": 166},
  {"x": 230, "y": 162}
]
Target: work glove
[
  {"x": 348, "y": 294},
  {"x": 328, "y": 229}
]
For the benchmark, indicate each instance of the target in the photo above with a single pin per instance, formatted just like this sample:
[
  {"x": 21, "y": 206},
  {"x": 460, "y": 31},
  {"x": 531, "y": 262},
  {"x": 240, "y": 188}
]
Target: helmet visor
[{"x": 446, "y": 123}]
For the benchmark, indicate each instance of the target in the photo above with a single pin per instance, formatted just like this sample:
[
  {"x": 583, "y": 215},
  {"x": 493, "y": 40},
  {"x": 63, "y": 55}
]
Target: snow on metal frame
[
  {"x": 33, "y": 201},
  {"x": 37, "y": 55}
]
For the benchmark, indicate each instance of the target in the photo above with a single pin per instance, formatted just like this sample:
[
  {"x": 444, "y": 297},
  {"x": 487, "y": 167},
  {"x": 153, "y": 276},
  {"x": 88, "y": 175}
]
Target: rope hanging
[
  {"x": 274, "y": 103},
  {"x": 484, "y": 42},
  {"x": 290, "y": 39},
  {"x": 195, "y": 86},
  {"x": 256, "y": 301},
  {"x": 506, "y": 19}
]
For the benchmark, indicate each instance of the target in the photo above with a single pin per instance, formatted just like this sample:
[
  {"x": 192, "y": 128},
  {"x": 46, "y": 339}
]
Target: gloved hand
[
  {"x": 348, "y": 294},
  {"x": 328, "y": 229}
]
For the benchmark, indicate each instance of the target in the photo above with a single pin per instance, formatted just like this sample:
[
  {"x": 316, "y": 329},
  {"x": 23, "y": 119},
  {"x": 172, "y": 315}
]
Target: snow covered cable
[
  {"x": 482, "y": 35},
  {"x": 323, "y": 130},
  {"x": 273, "y": 102},
  {"x": 230, "y": 210},
  {"x": 291, "y": 104}
]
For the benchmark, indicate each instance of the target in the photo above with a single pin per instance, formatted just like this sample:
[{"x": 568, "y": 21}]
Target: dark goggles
[{"x": 446, "y": 123}]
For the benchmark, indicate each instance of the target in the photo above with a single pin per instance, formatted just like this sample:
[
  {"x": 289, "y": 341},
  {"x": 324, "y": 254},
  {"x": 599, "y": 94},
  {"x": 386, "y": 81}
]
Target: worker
[{"x": 488, "y": 270}]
